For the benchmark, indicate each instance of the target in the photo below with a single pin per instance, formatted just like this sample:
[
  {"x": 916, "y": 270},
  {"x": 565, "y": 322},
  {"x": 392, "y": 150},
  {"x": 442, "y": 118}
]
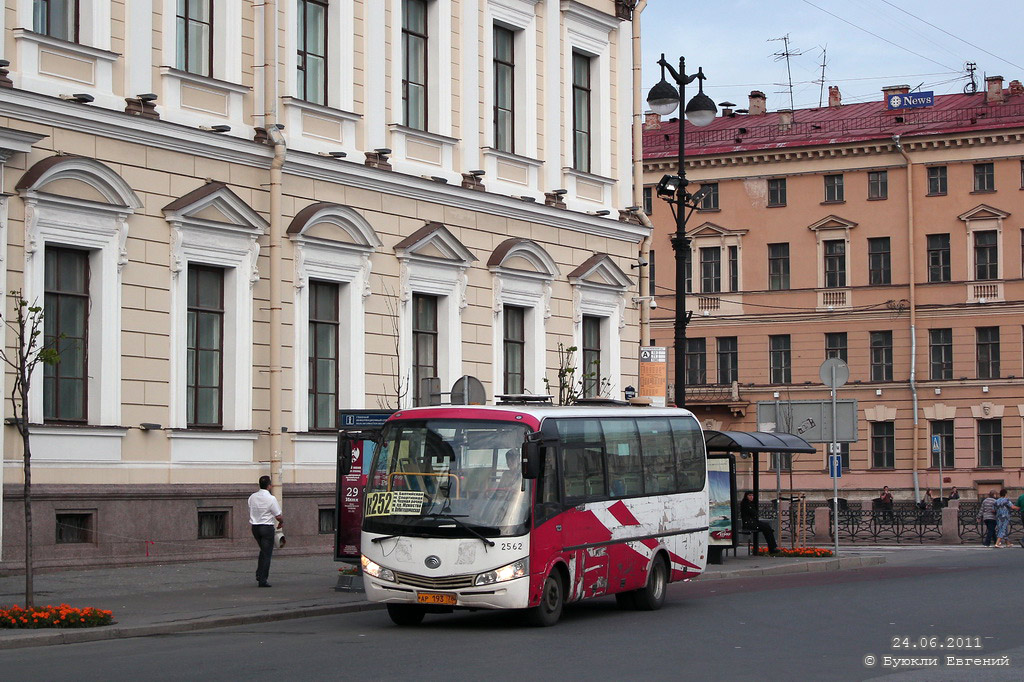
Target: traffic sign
[
  {"x": 936, "y": 445},
  {"x": 835, "y": 466},
  {"x": 841, "y": 376}
]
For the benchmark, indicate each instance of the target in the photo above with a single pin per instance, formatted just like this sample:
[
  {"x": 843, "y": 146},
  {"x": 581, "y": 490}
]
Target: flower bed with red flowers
[
  {"x": 798, "y": 552},
  {"x": 62, "y": 616}
]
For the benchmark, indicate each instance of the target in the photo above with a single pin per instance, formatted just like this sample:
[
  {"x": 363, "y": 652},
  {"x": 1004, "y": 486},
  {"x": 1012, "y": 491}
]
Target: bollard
[
  {"x": 822, "y": 526},
  {"x": 950, "y": 526}
]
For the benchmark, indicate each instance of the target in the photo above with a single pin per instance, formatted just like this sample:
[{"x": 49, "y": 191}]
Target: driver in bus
[{"x": 511, "y": 475}]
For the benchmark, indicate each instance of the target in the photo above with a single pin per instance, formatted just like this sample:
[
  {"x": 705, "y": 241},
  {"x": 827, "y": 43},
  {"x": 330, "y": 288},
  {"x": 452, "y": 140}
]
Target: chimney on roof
[
  {"x": 890, "y": 90},
  {"x": 652, "y": 121},
  {"x": 834, "y": 98},
  {"x": 758, "y": 103},
  {"x": 1016, "y": 88},
  {"x": 785, "y": 120},
  {"x": 994, "y": 90}
]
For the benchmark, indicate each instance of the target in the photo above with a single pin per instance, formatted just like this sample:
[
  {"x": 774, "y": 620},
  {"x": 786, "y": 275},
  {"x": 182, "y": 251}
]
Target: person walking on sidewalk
[
  {"x": 1003, "y": 509},
  {"x": 748, "y": 517},
  {"x": 987, "y": 515},
  {"x": 264, "y": 510}
]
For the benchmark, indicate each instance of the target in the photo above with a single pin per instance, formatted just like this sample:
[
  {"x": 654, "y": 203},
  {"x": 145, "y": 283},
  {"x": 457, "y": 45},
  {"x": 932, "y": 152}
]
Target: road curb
[
  {"x": 124, "y": 632},
  {"x": 814, "y": 566}
]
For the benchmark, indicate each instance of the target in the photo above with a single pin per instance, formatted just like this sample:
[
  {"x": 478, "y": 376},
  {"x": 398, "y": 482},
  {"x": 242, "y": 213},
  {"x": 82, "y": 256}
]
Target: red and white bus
[{"x": 527, "y": 507}]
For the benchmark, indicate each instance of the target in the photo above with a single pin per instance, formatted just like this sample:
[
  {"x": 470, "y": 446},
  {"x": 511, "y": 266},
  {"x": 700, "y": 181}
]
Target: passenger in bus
[{"x": 748, "y": 517}]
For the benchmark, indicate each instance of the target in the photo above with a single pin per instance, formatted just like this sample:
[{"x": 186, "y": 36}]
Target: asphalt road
[{"x": 808, "y": 626}]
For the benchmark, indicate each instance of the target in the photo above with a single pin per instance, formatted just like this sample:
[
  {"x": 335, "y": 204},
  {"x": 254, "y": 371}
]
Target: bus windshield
[{"x": 449, "y": 478}]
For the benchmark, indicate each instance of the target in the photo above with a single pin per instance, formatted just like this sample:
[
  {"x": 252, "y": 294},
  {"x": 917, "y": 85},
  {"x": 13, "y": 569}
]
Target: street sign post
[
  {"x": 834, "y": 372},
  {"x": 937, "y": 450}
]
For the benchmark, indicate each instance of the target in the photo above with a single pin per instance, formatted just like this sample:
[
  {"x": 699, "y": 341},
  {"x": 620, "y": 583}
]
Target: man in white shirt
[{"x": 264, "y": 510}]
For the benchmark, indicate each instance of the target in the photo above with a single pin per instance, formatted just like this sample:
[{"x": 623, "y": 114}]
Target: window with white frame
[
  {"x": 984, "y": 237},
  {"x": 415, "y": 36},
  {"x": 433, "y": 294},
  {"x": 311, "y": 51},
  {"x": 600, "y": 288},
  {"x": 213, "y": 232},
  {"x": 194, "y": 36},
  {"x": 332, "y": 244},
  {"x": 504, "y": 65},
  {"x": 587, "y": 89},
  {"x": 523, "y": 272},
  {"x": 717, "y": 250},
  {"x": 832, "y": 235},
  {"x": 56, "y": 18},
  {"x": 75, "y": 249}
]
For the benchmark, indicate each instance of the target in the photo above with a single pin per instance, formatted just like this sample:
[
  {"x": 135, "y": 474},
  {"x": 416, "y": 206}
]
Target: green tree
[{"x": 28, "y": 350}]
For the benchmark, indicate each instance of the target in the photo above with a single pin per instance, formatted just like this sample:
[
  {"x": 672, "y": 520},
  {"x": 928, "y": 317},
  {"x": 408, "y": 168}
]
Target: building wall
[
  {"x": 753, "y": 313},
  {"x": 169, "y": 194}
]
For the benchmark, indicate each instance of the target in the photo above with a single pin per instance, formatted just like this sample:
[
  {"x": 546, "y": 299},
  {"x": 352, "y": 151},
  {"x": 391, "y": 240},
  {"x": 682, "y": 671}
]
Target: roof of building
[{"x": 836, "y": 125}]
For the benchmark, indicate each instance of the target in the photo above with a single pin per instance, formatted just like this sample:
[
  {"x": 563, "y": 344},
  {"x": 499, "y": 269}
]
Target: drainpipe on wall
[
  {"x": 270, "y": 100},
  {"x": 913, "y": 311},
  {"x": 638, "y": 175}
]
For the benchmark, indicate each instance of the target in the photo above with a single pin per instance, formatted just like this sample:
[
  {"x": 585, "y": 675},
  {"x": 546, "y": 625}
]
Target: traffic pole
[{"x": 835, "y": 482}]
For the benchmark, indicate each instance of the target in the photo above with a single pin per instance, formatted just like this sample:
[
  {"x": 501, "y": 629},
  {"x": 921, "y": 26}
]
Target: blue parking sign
[{"x": 835, "y": 466}]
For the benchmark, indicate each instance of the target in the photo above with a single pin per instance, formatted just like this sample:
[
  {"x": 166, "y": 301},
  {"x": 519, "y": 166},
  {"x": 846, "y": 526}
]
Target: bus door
[{"x": 585, "y": 538}]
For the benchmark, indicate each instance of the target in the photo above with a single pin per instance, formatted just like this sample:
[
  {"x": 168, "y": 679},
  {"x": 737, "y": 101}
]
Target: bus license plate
[{"x": 436, "y": 598}]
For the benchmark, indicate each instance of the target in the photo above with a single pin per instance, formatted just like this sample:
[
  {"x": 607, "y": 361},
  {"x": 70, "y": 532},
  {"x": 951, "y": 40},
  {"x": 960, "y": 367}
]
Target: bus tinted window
[
  {"x": 690, "y": 466},
  {"x": 622, "y": 452},
  {"x": 658, "y": 454},
  {"x": 582, "y": 455}
]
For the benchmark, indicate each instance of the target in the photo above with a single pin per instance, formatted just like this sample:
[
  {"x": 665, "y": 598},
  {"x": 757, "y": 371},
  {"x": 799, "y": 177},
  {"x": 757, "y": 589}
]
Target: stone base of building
[{"x": 97, "y": 526}]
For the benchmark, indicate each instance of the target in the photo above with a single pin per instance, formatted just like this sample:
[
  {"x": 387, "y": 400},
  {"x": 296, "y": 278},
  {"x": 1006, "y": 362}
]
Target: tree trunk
[{"x": 29, "y": 597}]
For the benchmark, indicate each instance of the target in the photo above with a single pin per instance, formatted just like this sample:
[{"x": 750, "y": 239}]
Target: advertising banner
[
  {"x": 722, "y": 493},
  {"x": 911, "y": 100}
]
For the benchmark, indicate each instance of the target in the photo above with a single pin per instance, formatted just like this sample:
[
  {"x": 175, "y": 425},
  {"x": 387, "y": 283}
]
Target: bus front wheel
[
  {"x": 406, "y": 614},
  {"x": 652, "y": 596},
  {"x": 549, "y": 610}
]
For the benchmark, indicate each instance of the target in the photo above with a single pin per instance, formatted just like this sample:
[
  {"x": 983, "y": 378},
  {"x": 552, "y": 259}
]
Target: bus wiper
[
  {"x": 457, "y": 519},
  {"x": 382, "y": 538}
]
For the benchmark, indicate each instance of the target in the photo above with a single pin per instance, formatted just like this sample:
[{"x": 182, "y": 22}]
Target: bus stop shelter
[{"x": 752, "y": 444}]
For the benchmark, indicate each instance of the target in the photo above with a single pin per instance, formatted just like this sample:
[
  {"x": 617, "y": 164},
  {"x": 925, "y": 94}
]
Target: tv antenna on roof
[
  {"x": 786, "y": 53},
  {"x": 972, "y": 87},
  {"x": 821, "y": 82}
]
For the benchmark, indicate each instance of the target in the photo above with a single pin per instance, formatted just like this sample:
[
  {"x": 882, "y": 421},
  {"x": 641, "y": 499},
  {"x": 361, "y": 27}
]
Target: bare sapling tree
[
  {"x": 400, "y": 380},
  {"x": 29, "y": 348},
  {"x": 570, "y": 387}
]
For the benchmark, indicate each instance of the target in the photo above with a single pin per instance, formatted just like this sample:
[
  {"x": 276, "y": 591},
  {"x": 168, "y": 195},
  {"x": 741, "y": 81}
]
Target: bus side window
[
  {"x": 689, "y": 454},
  {"x": 582, "y": 466},
  {"x": 622, "y": 456},
  {"x": 658, "y": 454}
]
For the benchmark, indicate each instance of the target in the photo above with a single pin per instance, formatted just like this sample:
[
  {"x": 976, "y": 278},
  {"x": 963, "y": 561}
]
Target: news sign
[{"x": 911, "y": 100}]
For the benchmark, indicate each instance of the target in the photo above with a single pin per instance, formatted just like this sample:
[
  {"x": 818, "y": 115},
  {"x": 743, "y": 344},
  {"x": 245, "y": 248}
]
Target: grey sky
[{"x": 730, "y": 39}]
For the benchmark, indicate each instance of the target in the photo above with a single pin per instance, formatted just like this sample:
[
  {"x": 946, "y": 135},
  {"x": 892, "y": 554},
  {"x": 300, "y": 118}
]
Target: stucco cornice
[
  {"x": 43, "y": 110},
  {"x": 845, "y": 150}
]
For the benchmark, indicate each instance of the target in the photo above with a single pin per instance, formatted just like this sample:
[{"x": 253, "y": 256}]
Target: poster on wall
[{"x": 722, "y": 494}]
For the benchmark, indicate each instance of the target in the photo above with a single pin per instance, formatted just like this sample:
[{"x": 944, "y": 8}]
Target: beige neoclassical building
[{"x": 236, "y": 228}]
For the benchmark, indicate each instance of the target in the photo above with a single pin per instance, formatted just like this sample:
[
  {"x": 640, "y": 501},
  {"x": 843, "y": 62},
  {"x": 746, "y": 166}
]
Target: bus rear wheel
[
  {"x": 552, "y": 599},
  {"x": 652, "y": 596},
  {"x": 406, "y": 614}
]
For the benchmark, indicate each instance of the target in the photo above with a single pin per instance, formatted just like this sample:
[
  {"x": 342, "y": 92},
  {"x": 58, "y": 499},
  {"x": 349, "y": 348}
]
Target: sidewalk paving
[{"x": 172, "y": 598}]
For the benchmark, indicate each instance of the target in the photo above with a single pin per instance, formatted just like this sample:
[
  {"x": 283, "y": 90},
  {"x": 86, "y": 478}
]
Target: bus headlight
[
  {"x": 517, "y": 569},
  {"x": 377, "y": 571}
]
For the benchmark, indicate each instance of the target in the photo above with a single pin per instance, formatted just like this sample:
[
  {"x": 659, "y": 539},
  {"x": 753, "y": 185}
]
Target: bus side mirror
[
  {"x": 532, "y": 457},
  {"x": 344, "y": 455}
]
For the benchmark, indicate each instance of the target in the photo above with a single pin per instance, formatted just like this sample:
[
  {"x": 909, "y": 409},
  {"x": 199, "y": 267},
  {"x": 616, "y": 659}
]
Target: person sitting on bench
[{"x": 748, "y": 517}]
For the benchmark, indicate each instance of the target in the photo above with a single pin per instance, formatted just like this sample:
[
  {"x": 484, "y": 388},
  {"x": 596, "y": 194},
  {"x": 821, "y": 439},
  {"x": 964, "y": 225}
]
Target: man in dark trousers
[
  {"x": 748, "y": 517},
  {"x": 264, "y": 510}
]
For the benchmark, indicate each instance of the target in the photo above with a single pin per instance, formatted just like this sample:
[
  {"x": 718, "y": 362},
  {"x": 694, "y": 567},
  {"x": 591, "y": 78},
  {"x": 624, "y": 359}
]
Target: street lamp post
[{"x": 663, "y": 100}]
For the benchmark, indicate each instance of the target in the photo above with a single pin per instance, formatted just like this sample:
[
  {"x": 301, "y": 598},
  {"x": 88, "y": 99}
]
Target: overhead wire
[
  {"x": 872, "y": 33},
  {"x": 952, "y": 35}
]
